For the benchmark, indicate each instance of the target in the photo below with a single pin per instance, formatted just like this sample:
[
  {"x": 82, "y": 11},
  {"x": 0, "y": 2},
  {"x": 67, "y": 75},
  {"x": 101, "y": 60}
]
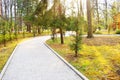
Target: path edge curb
[
  {"x": 8, "y": 62},
  {"x": 68, "y": 64}
]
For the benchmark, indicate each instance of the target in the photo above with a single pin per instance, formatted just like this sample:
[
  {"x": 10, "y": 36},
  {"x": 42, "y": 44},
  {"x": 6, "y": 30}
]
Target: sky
[{"x": 72, "y": 4}]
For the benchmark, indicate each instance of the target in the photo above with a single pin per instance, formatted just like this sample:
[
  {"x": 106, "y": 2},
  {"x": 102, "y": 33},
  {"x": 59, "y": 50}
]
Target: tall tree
[
  {"x": 6, "y": 9},
  {"x": 90, "y": 30},
  {"x": 81, "y": 9},
  {"x": 11, "y": 18},
  {"x": 106, "y": 13},
  {"x": 58, "y": 11},
  {"x": 15, "y": 17},
  {"x": 40, "y": 14},
  {"x": 60, "y": 14},
  {"x": 97, "y": 10},
  {"x": 53, "y": 19},
  {"x": 0, "y": 7}
]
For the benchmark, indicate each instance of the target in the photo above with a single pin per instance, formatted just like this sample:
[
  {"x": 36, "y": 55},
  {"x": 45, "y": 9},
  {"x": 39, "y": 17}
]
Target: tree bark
[
  {"x": 39, "y": 30},
  {"x": 15, "y": 13},
  {"x": 28, "y": 27},
  {"x": 90, "y": 30},
  {"x": 11, "y": 16},
  {"x": 81, "y": 9},
  {"x": 61, "y": 36},
  {"x": 4, "y": 29},
  {"x": 97, "y": 13},
  {"x": 106, "y": 14},
  {"x": 0, "y": 7}
]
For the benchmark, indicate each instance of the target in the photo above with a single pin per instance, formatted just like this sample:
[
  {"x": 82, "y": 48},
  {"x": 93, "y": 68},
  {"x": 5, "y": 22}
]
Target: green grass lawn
[{"x": 100, "y": 61}]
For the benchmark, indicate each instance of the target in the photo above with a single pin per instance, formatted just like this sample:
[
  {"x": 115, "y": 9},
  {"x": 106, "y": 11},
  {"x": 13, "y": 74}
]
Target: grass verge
[{"x": 96, "y": 61}]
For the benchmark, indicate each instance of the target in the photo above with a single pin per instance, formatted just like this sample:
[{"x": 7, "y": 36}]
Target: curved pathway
[{"x": 32, "y": 60}]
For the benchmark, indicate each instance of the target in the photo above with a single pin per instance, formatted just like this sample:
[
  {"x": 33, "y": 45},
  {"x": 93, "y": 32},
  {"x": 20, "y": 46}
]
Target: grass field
[{"x": 99, "y": 58}]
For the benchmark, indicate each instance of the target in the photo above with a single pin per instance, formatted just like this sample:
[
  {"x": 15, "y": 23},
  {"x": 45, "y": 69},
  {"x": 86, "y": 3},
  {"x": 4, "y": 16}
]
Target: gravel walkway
[{"x": 32, "y": 60}]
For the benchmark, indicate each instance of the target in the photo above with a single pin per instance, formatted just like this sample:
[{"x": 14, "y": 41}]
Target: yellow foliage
[{"x": 96, "y": 62}]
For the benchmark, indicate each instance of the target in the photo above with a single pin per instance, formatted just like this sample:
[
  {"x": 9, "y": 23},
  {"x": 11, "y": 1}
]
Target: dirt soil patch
[{"x": 98, "y": 41}]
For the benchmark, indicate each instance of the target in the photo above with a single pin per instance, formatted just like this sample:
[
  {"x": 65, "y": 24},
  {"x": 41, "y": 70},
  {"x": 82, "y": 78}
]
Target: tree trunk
[
  {"x": 5, "y": 5},
  {"x": 90, "y": 30},
  {"x": 39, "y": 30},
  {"x": 106, "y": 14},
  {"x": 15, "y": 26},
  {"x": 76, "y": 41},
  {"x": 0, "y": 7},
  {"x": 28, "y": 28},
  {"x": 4, "y": 40},
  {"x": 97, "y": 14},
  {"x": 76, "y": 53},
  {"x": 8, "y": 23},
  {"x": 4, "y": 29},
  {"x": 11, "y": 16},
  {"x": 81, "y": 9},
  {"x": 53, "y": 34},
  {"x": 61, "y": 36}
]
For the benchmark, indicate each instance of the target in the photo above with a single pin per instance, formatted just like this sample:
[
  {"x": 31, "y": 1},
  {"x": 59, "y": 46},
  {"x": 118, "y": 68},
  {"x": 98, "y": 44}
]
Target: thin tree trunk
[
  {"x": 15, "y": 26},
  {"x": 61, "y": 31},
  {"x": 97, "y": 13},
  {"x": 39, "y": 30},
  {"x": 106, "y": 14},
  {"x": 53, "y": 34},
  {"x": 27, "y": 13},
  {"x": 76, "y": 41},
  {"x": 61, "y": 35},
  {"x": 81, "y": 9},
  {"x": 10, "y": 27},
  {"x": 4, "y": 40},
  {"x": 5, "y": 4},
  {"x": 54, "y": 16},
  {"x": 0, "y": 7},
  {"x": 4, "y": 30},
  {"x": 11, "y": 16}
]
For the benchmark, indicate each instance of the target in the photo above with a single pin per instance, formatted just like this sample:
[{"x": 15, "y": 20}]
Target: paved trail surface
[{"x": 32, "y": 60}]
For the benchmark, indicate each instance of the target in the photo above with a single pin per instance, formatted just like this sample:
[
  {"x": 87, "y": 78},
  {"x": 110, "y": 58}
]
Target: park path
[{"x": 33, "y": 60}]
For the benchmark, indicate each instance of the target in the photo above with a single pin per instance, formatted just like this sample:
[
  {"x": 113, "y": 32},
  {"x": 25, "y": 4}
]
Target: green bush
[
  {"x": 118, "y": 31},
  {"x": 7, "y": 37},
  {"x": 12, "y": 36}
]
